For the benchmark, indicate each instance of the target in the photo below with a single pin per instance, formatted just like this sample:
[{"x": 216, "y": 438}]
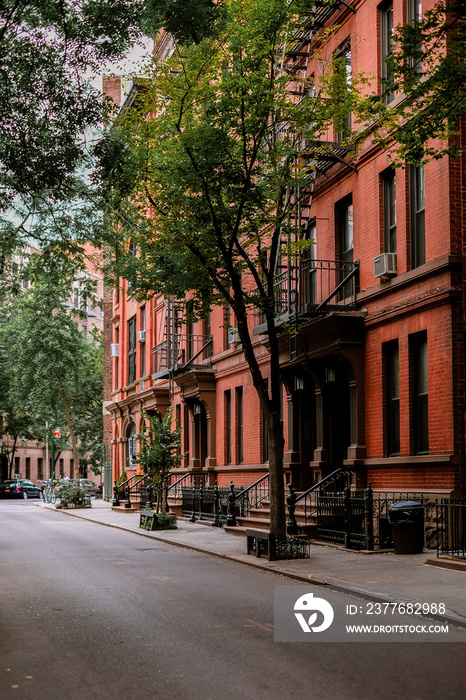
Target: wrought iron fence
[
  {"x": 451, "y": 529},
  {"x": 175, "y": 484},
  {"x": 346, "y": 518},
  {"x": 210, "y": 503},
  {"x": 360, "y": 520},
  {"x": 335, "y": 482}
]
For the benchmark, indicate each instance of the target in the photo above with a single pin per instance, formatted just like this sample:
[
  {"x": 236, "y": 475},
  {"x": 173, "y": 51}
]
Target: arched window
[{"x": 131, "y": 446}]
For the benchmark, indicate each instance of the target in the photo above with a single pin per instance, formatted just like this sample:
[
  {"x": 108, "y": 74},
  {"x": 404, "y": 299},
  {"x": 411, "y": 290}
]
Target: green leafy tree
[
  {"x": 159, "y": 451},
  {"x": 426, "y": 73},
  {"x": 48, "y": 50},
  {"x": 210, "y": 178},
  {"x": 51, "y": 370}
]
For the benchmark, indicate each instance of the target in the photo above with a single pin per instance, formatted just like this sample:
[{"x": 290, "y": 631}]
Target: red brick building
[{"x": 376, "y": 358}]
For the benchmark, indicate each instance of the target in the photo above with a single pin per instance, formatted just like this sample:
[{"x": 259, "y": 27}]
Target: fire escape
[
  {"x": 178, "y": 351},
  {"x": 308, "y": 288}
]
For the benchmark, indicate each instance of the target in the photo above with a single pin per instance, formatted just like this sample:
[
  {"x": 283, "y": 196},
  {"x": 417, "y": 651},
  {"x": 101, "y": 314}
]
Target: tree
[
  {"x": 212, "y": 174},
  {"x": 159, "y": 451},
  {"x": 52, "y": 373},
  {"x": 426, "y": 71},
  {"x": 48, "y": 49}
]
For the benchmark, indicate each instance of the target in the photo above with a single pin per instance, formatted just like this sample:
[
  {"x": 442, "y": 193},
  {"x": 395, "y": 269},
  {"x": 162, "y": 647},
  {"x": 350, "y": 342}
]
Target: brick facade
[{"x": 338, "y": 412}]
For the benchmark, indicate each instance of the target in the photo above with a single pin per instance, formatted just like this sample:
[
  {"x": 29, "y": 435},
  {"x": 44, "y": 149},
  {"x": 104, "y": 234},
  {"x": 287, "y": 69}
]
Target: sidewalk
[{"x": 387, "y": 576}]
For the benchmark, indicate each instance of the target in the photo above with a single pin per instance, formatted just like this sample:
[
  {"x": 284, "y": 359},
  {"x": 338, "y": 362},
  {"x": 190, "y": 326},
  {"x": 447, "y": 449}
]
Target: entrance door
[
  {"x": 336, "y": 417},
  {"x": 306, "y": 400}
]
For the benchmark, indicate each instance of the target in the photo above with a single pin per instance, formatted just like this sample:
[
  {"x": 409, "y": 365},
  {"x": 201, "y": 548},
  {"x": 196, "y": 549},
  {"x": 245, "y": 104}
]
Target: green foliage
[
  {"x": 48, "y": 366},
  {"x": 71, "y": 493},
  {"x": 46, "y": 102},
  {"x": 122, "y": 478},
  {"x": 166, "y": 521},
  {"x": 159, "y": 447},
  {"x": 189, "y": 21},
  {"x": 427, "y": 70}
]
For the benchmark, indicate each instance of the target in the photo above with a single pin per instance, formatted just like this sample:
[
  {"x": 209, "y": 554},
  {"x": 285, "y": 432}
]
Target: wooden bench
[{"x": 261, "y": 543}]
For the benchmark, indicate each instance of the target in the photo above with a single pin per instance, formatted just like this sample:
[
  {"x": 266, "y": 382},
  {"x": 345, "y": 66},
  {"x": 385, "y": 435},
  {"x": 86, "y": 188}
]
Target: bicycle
[{"x": 48, "y": 491}]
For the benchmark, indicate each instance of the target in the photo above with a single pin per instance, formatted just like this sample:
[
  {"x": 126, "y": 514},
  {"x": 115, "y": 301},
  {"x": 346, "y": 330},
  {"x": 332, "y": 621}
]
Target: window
[
  {"x": 420, "y": 413},
  {"x": 142, "y": 344},
  {"x": 186, "y": 426},
  {"x": 116, "y": 366},
  {"x": 414, "y": 35},
  {"x": 71, "y": 468},
  {"x": 40, "y": 468},
  {"x": 343, "y": 84},
  {"x": 227, "y": 327},
  {"x": 28, "y": 467},
  {"x": 62, "y": 468},
  {"x": 265, "y": 434},
  {"x": 207, "y": 333},
  {"x": 178, "y": 425},
  {"x": 189, "y": 331},
  {"x": 344, "y": 222},
  {"x": 17, "y": 465},
  {"x": 417, "y": 215},
  {"x": 392, "y": 398},
  {"x": 132, "y": 446},
  {"x": 239, "y": 424},
  {"x": 310, "y": 282},
  {"x": 386, "y": 49},
  {"x": 228, "y": 427},
  {"x": 389, "y": 211},
  {"x": 132, "y": 350}
]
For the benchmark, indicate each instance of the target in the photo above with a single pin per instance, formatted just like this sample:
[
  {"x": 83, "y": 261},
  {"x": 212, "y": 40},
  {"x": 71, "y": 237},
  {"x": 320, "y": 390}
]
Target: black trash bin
[{"x": 407, "y": 521}]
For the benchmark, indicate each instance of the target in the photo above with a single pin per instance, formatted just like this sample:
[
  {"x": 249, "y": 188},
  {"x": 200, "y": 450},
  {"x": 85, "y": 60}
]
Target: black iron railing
[
  {"x": 223, "y": 504},
  {"x": 346, "y": 518},
  {"x": 174, "y": 486},
  {"x": 213, "y": 504},
  {"x": 184, "y": 348},
  {"x": 360, "y": 520},
  {"x": 451, "y": 529},
  {"x": 314, "y": 286},
  {"x": 335, "y": 482},
  {"x": 254, "y": 495},
  {"x": 133, "y": 485}
]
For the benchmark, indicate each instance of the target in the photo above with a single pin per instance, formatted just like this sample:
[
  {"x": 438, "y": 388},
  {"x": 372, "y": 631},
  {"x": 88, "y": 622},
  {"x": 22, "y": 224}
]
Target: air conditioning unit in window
[
  {"x": 141, "y": 336},
  {"x": 115, "y": 350},
  {"x": 233, "y": 336},
  {"x": 385, "y": 265}
]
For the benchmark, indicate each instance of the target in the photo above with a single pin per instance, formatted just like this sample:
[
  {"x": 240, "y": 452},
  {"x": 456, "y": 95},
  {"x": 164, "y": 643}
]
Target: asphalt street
[{"x": 95, "y": 612}]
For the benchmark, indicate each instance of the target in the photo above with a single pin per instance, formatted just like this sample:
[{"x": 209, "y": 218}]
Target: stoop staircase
[{"x": 259, "y": 519}]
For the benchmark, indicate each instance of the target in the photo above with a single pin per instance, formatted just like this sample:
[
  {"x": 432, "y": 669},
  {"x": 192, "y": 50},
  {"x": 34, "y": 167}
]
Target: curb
[{"x": 254, "y": 563}]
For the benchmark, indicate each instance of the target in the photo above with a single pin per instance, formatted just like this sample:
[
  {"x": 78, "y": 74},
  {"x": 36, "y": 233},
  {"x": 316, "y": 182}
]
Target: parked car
[
  {"x": 20, "y": 488},
  {"x": 91, "y": 488}
]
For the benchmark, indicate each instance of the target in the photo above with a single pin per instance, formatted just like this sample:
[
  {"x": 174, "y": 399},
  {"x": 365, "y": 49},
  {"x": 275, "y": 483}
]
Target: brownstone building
[{"x": 375, "y": 359}]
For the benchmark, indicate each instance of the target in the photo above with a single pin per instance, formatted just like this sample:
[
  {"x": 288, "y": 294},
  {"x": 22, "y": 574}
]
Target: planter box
[
  {"x": 263, "y": 544},
  {"x": 148, "y": 521}
]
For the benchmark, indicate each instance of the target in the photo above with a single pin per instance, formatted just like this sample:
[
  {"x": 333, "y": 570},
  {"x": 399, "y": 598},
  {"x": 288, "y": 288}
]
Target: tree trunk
[
  {"x": 72, "y": 437},
  {"x": 276, "y": 482},
  {"x": 12, "y": 456}
]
